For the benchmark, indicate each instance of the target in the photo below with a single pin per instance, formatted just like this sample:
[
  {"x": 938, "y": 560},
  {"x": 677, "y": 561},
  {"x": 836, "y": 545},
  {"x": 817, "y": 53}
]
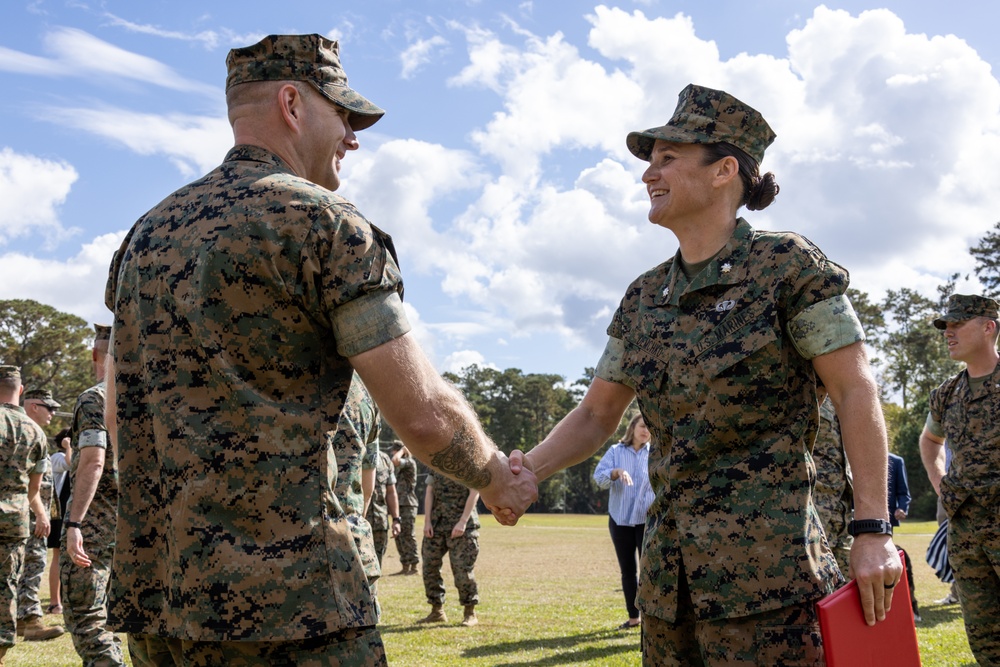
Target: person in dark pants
[
  {"x": 623, "y": 469},
  {"x": 899, "y": 507}
]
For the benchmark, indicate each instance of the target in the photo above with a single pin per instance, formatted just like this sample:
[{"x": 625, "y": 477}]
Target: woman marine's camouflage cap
[
  {"x": 311, "y": 58},
  {"x": 707, "y": 116},
  {"x": 963, "y": 307}
]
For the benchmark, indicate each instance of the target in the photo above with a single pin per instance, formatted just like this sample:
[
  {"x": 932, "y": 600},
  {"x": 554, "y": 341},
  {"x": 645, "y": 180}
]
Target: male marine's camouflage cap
[
  {"x": 311, "y": 58},
  {"x": 708, "y": 116},
  {"x": 963, "y": 307},
  {"x": 43, "y": 396},
  {"x": 10, "y": 373},
  {"x": 102, "y": 332}
]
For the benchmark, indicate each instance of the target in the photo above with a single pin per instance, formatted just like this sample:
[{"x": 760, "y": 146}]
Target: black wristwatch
[
  {"x": 72, "y": 524},
  {"x": 880, "y": 526},
  {"x": 395, "y": 519}
]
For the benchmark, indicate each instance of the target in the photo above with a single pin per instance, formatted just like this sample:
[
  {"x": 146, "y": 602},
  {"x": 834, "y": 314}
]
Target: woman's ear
[{"x": 726, "y": 170}]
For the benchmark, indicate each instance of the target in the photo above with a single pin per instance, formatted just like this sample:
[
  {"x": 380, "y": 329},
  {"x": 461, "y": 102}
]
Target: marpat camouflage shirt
[
  {"x": 721, "y": 368},
  {"x": 834, "y": 491},
  {"x": 355, "y": 446},
  {"x": 23, "y": 452},
  {"x": 406, "y": 482},
  {"x": 378, "y": 511},
  {"x": 970, "y": 422},
  {"x": 449, "y": 503},
  {"x": 98, "y": 525},
  {"x": 238, "y": 301}
]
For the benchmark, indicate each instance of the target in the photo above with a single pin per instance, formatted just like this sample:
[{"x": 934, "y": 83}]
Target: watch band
[
  {"x": 879, "y": 526},
  {"x": 72, "y": 524}
]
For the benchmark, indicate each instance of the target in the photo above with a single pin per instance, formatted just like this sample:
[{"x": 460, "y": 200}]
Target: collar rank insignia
[{"x": 727, "y": 267}]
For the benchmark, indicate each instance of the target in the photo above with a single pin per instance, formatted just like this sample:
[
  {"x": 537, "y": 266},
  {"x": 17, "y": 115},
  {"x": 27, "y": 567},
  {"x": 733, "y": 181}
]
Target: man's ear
[{"x": 291, "y": 104}]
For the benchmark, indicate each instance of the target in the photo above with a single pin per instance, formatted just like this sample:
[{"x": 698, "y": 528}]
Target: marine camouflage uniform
[
  {"x": 969, "y": 419},
  {"x": 406, "y": 492},
  {"x": 22, "y": 453},
  {"x": 449, "y": 498},
  {"x": 36, "y": 552},
  {"x": 229, "y": 529},
  {"x": 378, "y": 510},
  {"x": 85, "y": 589},
  {"x": 355, "y": 444},
  {"x": 834, "y": 491},
  {"x": 721, "y": 368}
]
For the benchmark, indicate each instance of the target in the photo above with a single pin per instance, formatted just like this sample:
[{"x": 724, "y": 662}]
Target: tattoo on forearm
[{"x": 458, "y": 460}]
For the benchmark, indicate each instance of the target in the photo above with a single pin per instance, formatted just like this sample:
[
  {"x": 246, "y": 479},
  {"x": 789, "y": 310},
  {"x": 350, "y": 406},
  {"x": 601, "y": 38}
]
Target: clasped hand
[{"x": 512, "y": 489}]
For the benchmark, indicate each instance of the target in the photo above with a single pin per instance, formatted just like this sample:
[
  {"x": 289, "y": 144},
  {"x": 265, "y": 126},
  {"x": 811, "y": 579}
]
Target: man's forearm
[
  {"x": 392, "y": 501},
  {"x": 866, "y": 445},
  {"x": 34, "y": 494},
  {"x": 437, "y": 424},
  {"x": 88, "y": 475},
  {"x": 933, "y": 457}
]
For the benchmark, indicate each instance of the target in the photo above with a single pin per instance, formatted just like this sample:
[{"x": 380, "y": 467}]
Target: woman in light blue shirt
[{"x": 624, "y": 468}]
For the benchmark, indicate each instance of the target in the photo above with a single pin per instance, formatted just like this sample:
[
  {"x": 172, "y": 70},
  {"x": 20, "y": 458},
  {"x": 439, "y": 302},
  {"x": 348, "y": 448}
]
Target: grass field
[{"x": 550, "y": 595}]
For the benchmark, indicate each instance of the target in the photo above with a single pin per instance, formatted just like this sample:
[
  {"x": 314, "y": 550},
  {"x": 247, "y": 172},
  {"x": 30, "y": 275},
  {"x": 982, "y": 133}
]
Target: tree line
[{"x": 518, "y": 409}]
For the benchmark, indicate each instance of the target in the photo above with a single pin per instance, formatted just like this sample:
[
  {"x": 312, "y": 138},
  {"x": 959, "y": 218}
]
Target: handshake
[{"x": 512, "y": 488}]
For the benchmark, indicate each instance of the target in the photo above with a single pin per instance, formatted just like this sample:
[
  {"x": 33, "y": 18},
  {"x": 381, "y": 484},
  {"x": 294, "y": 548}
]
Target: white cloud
[
  {"x": 460, "y": 359},
  {"x": 419, "y": 53},
  {"x": 195, "y": 144},
  {"x": 72, "y": 286},
  {"x": 32, "y": 190},
  {"x": 79, "y": 54},
  {"x": 208, "y": 38},
  {"x": 883, "y": 136}
]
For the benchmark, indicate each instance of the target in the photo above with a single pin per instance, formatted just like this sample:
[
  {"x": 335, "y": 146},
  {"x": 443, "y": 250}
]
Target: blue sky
[{"x": 500, "y": 167}]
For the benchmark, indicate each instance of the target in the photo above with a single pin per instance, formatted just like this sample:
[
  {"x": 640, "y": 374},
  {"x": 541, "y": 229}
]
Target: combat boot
[
  {"x": 437, "y": 615},
  {"x": 3, "y": 652},
  {"x": 413, "y": 569},
  {"x": 470, "y": 616},
  {"x": 35, "y": 631}
]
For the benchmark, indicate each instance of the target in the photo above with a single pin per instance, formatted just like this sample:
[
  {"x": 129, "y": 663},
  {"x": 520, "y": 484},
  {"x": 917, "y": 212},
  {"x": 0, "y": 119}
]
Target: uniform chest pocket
[
  {"x": 644, "y": 363},
  {"x": 744, "y": 369}
]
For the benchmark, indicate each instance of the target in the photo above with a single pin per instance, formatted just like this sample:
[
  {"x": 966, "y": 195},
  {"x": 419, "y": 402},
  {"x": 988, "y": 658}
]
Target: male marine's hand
[
  {"x": 509, "y": 493},
  {"x": 876, "y": 567}
]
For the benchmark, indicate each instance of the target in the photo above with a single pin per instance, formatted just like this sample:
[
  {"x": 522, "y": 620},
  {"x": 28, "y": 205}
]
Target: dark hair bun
[{"x": 762, "y": 192}]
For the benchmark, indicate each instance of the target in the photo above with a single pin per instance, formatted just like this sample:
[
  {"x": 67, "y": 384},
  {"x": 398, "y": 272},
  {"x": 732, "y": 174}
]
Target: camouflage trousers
[
  {"x": 35, "y": 552},
  {"x": 841, "y": 548},
  {"x": 406, "y": 541},
  {"x": 974, "y": 552},
  {"x": 462, "y": 552},
  {"x": 381, "y": 539},
  {"x": 85, "y": 606},
  {"x": 786, "y": 637},
  {"x": 360, "y": 647},
  {"x": 11, "y": 562}
]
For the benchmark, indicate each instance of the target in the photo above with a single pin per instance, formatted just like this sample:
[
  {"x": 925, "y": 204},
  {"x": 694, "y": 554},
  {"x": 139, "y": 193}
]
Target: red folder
[{"x": 849, "y": 642}]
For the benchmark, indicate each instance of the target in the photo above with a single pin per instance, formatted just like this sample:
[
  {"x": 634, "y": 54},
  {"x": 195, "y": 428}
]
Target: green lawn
[{"x": 550, "y": 595}]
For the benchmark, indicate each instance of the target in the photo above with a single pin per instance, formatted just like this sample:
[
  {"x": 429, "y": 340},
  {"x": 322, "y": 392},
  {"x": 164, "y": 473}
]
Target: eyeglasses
[{"x": 42, "y": 405}]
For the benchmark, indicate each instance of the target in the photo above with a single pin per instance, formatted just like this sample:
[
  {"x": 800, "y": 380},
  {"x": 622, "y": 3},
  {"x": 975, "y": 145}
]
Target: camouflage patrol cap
[
  {"x": 10, "y": 373},
  {"x": 708, "y": 116},
  {"x": 43, "y": 396},
  {"x": 963, "y": 307},
  {"x": 311, "y": 58},
  {"x": 102, "y": 332}
]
